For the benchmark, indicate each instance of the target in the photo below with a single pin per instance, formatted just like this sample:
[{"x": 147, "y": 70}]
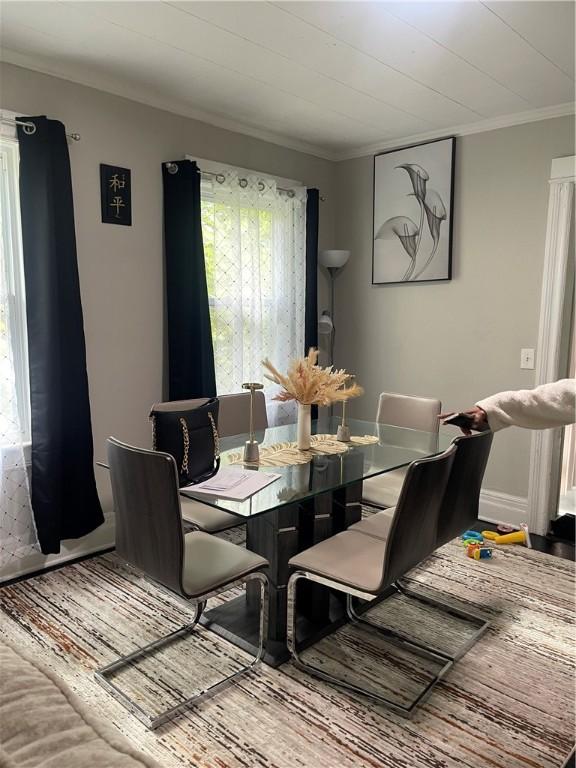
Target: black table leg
[{"x": 278, "y": 536}]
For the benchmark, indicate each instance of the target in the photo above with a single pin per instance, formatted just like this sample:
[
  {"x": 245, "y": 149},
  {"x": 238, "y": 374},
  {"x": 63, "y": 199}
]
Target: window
[
  {"x": 17, "y": 530},
  {"x": 14, "y": 388},
  {"x": 255, "y": 250}
]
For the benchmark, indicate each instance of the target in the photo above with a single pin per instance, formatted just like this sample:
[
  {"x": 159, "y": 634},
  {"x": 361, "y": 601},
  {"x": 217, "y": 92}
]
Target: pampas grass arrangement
[{"x": 309, "y": 384}]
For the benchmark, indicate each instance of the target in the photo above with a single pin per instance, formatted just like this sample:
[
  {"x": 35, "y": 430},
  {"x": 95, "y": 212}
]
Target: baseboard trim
[
  {"x": 497, "y": 507},
  {"x": 72, "y": 549}
]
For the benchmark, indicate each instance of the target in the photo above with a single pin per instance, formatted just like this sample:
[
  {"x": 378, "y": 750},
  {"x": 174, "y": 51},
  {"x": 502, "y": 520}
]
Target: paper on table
[
  {"x": 232, "y": 484},
  {"x": 224, "y": 480}
]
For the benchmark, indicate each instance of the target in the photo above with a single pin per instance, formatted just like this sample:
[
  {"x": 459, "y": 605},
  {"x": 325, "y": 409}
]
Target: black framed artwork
[
  {"x": 413, "y": 212},
  {"x": 115, "y": 195}
]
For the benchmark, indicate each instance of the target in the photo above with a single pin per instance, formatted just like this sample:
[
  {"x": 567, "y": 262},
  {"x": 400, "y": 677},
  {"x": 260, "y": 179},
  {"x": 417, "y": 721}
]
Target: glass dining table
[{"x": 318, "y": 494}]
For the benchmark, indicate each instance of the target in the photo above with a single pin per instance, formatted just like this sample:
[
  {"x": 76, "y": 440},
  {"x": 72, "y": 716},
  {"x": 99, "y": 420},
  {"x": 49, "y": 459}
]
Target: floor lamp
[{"x": 333, "y": 261}]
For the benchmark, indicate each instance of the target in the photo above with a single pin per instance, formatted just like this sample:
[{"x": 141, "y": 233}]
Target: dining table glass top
[{"x": 375, "y": 448}]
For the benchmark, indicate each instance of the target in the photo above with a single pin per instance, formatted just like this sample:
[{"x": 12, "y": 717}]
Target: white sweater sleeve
[{"x": 545, "y": 407}]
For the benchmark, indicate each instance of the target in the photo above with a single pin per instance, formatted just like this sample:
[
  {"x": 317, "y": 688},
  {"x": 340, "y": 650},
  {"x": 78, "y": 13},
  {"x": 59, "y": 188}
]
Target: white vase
[{"x": 304, "y": 431}]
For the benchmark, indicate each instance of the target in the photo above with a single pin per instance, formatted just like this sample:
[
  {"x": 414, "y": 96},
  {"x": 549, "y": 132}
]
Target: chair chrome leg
[
  {"x": 474, "y": 619},
  {"x": 446, "y": 607},
  {"x": 263, "y": 618},
  {"x": 291, "y": 642},
  {"x": 104, "y": 674}
]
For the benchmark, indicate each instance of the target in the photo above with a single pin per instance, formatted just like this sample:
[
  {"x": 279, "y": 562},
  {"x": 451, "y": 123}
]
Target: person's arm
[
  {"x": 545, "y": 407},
  {"x": 478, "y": 418}
]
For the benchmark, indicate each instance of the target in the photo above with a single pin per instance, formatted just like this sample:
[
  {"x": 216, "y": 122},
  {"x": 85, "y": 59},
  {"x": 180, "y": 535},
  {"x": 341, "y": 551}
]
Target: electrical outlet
[{"x": 527, "y": 359}]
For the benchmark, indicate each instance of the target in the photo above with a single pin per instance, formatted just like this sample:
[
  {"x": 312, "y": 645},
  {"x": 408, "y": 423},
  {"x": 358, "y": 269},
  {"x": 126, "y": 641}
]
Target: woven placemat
[{"x": 287, "y": 454}]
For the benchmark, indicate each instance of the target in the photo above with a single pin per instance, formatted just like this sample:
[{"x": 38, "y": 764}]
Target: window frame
[{"x": 11, "y": 231}]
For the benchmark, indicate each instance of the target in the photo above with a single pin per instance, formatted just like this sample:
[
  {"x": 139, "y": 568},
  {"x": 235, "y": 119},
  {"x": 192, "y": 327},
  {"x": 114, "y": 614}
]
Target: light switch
[{"x": 527, "y": 358}]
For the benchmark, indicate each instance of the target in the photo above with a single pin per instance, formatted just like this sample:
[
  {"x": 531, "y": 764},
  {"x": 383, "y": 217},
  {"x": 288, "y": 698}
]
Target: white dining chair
[{"x": 406, "y": 411}]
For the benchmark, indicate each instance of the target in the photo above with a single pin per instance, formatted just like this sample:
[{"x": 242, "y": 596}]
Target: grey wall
[
  {"x": 458, "y": 340},
  {"x": 121, "y": 267}
]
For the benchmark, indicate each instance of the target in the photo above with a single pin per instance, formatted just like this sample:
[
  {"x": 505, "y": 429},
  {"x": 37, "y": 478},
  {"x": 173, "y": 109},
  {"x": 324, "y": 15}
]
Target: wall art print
[{"x": 413, "y": 201}]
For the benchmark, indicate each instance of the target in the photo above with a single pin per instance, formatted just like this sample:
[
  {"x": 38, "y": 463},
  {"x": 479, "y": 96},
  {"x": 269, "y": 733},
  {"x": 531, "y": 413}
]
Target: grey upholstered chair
[
  {"x": 462, "y": 498},
  {"x": 234, "y": 413},
  {"x": 459, "y": 510},
  {"x": 233, "y": 419},
  {"x": 406, "y": 411},
  {"x": 365, "y": 567},
  {"x": 192, "y": 566},
  {"x": 458, "y": 513}
]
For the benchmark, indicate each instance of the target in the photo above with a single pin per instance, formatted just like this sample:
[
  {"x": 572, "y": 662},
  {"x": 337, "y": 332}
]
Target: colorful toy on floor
[
  {"x": 474, "y": 544},
  {"x": 505, "y": 528},
  {"x": 471, "y": 537},
  {"x": 517, "y": 537},
  {"x": 479, "y": 553}
]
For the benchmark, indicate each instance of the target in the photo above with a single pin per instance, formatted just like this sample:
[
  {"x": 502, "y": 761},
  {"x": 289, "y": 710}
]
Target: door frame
[{"x": 545, "y": 454}]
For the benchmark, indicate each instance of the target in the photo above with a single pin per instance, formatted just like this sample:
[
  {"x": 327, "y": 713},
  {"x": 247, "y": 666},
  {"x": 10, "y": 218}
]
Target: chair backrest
[
  {"x": 412, "y": 535},
  {"x": 459, "y": 509},
  {"x": 234, "y": 413},
  {"x": 147, "y": 508},
  {"x": 408, "y": 411}
]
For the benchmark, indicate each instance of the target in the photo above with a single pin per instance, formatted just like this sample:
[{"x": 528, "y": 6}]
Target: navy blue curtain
[
  {"x": 64, "y": 497},
  {"x": 190, "y": 352},
  {"x": 311, "y": 312}
]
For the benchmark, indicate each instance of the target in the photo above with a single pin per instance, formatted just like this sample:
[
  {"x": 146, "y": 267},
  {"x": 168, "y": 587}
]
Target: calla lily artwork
[{"x": 413, "y": 192}]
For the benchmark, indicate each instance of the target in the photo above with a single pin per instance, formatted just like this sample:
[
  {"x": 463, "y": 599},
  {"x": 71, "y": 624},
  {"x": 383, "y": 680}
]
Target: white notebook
[{"x": 232, "y": 484}]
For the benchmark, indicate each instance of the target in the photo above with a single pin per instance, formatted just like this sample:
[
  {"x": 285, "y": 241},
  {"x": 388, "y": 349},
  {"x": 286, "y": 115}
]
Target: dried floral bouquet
[{"x": 309, "y": 384}]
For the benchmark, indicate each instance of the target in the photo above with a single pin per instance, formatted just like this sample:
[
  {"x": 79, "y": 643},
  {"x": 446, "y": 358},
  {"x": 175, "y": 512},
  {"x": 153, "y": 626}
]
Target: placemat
[{"x": 286, "y": 454}]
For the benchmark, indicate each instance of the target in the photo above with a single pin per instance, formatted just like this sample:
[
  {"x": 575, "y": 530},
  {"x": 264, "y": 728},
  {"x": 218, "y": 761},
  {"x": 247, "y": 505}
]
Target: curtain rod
[
  {"x": 220, "y": 178},
  {"x": 30, "y": 128}
]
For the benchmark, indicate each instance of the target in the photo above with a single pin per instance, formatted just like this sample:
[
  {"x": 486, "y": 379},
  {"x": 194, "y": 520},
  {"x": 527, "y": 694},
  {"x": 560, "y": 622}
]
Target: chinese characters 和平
[
  {"x": 115, "y": 195},
  {"x": 116, "y": 183}
]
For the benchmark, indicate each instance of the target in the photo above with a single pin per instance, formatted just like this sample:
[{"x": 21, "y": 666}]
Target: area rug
[{"x": 508, "y": 703}]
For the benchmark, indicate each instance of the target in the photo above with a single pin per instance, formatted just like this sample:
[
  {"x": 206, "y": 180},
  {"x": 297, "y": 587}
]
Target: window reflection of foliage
[{"x": 219, "y": 216}]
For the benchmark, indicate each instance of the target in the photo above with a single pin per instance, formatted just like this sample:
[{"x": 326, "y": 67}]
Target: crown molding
[
  {"x": 142, "y": 96},
  {"x": 491, "y": 124}
]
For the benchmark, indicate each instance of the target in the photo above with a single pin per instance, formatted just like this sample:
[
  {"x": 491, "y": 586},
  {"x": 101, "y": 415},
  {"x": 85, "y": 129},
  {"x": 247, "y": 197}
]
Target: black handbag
[{"x": 188, "y": 431}]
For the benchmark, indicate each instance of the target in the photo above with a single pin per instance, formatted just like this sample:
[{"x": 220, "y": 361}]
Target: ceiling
[{"x": 337, "y": 79}]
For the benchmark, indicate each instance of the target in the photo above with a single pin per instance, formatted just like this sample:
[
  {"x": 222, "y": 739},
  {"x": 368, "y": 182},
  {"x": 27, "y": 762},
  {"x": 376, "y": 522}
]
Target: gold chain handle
[
  {"x": 153, "y": 420},
  {"x": 216, "y": 436},
  {"x": 186, "y": 438}
]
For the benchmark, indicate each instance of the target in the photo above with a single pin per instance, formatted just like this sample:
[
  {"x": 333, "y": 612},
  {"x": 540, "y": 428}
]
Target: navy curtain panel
[
  {"x": 311, "y": 299},
  {"x": 190, "y": 352},
  {"x": 64, "y": 497},
  {"x": 311, "y": 311}
]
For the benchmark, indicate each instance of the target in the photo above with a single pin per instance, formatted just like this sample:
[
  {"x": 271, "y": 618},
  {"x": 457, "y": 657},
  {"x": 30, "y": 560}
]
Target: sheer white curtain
[
  {"x": 255, "y": 249},
  {"x": 17, "y": 530}
]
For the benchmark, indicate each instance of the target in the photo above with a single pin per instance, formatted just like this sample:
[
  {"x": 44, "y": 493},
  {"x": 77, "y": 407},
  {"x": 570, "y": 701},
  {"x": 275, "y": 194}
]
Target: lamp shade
[{"x": 333, "y": 258}]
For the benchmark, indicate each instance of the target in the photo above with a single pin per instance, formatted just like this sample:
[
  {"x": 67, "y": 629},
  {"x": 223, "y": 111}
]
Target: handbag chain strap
[
  {"x": 153, "y": 420},
  {"x": 216, "y": 436},
  {"x": 186, "y": 438}
]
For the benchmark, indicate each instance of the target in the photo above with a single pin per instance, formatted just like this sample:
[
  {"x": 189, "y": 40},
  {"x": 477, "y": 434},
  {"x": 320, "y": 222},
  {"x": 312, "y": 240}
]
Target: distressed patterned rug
[{"x": 509, "y": 703}]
